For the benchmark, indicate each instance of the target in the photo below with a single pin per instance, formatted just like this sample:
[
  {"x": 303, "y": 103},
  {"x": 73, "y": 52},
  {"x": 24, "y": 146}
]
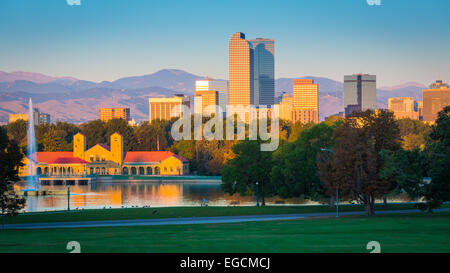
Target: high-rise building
[
  {"x": 306, "y": 101},
  {"x": 161, "y": 108},
  {"x": 106, "y": 114},
  {"x": 360, "y": 93},
  {"x": 221, "y": 86},
  {"x": 38, "y": 117},
  {"x": 44, "y": 118},
  {"x": 435, "y": 99},
  {"x": 264, "y": 71},
  {"x": 209, "y": 97},
  {"x": 241, "y": 71},
  {"x": 403, "y": 107},
  {"x": 286, "y": 107}
]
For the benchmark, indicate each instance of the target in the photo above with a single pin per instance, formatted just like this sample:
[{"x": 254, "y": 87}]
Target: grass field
[
  {"x": 421, "y": 232},
  {"x": 170, "y": 212}
]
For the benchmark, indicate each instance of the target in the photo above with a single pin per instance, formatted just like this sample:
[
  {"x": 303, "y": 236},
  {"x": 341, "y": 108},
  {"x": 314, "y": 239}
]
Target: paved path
[{"x": 195, "y": 220}]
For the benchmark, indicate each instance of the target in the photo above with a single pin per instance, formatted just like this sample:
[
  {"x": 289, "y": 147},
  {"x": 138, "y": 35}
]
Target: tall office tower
[
  {"x": 435, "y": 99},
  {"x": 360, "y": 93},
  {"x": 161, "y": 108},
  {"x": 264, "y": 71},
  {"x": 209, "y": 97},
  {"x": 306, "y": 101},
  {"x": 221, "y": 86},
  {"x": 403, "y": 107},
  {"x": 286, "y": 107},
  {"x": 241, "y": 72},
  {"x": 106, "y": 114}
]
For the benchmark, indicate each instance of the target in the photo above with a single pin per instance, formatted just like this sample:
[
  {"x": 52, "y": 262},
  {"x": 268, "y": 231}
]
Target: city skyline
[{"x": 391, "y": 42}]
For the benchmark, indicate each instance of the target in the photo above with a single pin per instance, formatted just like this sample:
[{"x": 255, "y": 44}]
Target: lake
[{"x": 139, "y": 193}]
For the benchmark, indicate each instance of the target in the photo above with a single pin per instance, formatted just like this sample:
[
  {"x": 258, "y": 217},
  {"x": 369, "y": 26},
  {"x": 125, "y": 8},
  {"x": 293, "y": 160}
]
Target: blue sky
[{"x": 399, "y": 41}]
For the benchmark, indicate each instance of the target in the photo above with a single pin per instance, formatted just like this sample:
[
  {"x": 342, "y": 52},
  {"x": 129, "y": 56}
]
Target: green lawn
[
  {"x": 170, "y": 212},
  {"x": 421, "y": 232}
]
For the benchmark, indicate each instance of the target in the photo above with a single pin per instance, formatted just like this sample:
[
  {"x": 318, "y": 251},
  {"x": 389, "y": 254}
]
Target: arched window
[
  {"x": 133, "y": 171},
  {"x": 103, "y": 170},
  {"x": 97, "y": 170},
  {"x": 149, "y": 171},
  {"x": 141, "y": 171},
  {"x": 125, "y": 170},
  {"x": 157, "y": 170}
]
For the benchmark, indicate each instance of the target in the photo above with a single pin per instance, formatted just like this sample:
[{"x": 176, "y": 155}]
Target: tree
[
  {"x": 295, "y": 131},
  {"x": 144, "y": 137},
  {"x": 122, "y": 127},
  {"x": 250, "y": 165},
  {"x": 54, "y": 140},
  {"x": 356, "y": 166},
  {"x": 68, "y": 130},
  {"x": 352, "y": 169},
  {"x": 10, "y": 161},
  {"x": 94, "y": 131},
  {"x": 414, "y": 133},
  {"x": 408, "y": 168},
  {"x": 17, "y": 131},
  {"x": 381, "y": 130},
  {"x": 295, "y": 171},
  {"x": 438, "y": 190}
]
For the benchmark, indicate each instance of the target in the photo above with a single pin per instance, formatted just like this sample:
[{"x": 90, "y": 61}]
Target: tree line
[
  {"x": 363, "y": 157},
  {"x": 206, "y": 157}
]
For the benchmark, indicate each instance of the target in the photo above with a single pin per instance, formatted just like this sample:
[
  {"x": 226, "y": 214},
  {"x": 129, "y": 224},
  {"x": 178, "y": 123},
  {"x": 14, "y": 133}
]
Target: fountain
[{"x": 32, "y": 180}]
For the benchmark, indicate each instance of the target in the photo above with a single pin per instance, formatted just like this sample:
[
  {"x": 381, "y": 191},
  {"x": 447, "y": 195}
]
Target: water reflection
[
  {"x": 136, "y": 193},
  {"x": 116, "y": 195}
]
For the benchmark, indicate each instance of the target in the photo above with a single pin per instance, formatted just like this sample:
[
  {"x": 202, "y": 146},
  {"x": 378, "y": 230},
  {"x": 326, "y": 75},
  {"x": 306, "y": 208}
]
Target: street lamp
[
  {"x": 68, "y": 197},
  {"x": 337, "y": 187},
  {"x": 257, "y": 195}
]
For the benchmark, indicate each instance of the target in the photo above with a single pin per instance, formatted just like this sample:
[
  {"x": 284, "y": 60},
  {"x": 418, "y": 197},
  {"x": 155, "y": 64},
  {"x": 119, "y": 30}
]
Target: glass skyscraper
[
  {"x": 360, "y": 93},
  {"x": 264, "y": 71}
]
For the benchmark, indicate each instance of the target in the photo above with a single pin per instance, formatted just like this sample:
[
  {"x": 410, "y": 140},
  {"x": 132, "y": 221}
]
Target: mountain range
[{"x": 74, "y": 100}]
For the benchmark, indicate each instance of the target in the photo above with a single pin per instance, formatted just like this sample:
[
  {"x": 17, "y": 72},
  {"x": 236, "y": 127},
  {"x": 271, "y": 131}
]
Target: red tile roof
[
  {"x": 68, "y": 160},
  {"x": 57, "y": 158},
  {"x": 155, "y": 156},
  {"x": 47, "y": 157}
]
